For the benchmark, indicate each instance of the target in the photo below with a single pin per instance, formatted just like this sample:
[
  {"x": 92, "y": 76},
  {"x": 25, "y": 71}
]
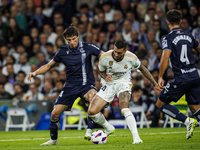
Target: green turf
[{"x": 153, "y": 139}]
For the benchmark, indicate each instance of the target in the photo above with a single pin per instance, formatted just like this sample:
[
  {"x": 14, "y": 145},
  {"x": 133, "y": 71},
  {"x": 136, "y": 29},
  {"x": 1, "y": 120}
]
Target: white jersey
[{"x": 121, "y": 71}]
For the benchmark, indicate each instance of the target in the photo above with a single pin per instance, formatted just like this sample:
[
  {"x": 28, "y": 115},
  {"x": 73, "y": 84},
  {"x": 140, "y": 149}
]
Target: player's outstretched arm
[
  {"x": 164, "y": 62},
  {"x": 42, "y": 69},
  {"x": 149, "y": 76}
]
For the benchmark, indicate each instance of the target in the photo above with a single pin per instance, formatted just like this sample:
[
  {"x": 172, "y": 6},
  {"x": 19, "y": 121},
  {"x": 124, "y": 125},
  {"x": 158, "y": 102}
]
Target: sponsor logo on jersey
[
  {"x": 110, "y": 63},
  {"x": 126, "y": 66}
]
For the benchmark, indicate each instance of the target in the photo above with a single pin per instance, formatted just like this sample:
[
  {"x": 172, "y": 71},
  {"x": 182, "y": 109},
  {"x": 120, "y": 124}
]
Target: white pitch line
[
  {"x": 82, "y": 136},
  {"x": 39, "y": 139}
]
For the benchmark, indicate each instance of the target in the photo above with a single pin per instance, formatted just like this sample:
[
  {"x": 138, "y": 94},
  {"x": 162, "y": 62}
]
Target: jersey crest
[
  {"x": 126, "y": 66},
  {"x": 110, "y": 63}
]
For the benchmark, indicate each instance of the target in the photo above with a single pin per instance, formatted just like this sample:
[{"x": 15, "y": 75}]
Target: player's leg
[
  {"x": 193, "y": 102},
  {"x": 94, "y": 113},
  {"x": 124, "y": 98},
  {"x": 193, "y": 99},
  {"x": 195, "y": 109},
  {"x": 55, "y": 123},
  {"x": 175, "y": 91},
  {"x": 88, "y": 97},
  {"x": 171, "y": 111}
]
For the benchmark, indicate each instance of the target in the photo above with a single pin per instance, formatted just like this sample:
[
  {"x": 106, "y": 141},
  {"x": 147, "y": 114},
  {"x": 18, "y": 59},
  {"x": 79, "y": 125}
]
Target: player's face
[
  {"x": 72, "y": 41},
  {"x": 118, "y": 54}
]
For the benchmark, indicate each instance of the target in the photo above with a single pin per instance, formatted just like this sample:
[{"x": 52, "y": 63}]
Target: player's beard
[{"x": 119, "y": 58}]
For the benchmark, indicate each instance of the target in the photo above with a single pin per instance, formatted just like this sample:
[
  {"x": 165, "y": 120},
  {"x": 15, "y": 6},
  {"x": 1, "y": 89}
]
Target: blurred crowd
[{"x": 31, "y": 33}]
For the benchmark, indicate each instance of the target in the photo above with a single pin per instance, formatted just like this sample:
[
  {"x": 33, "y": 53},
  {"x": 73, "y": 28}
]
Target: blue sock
[
  {"x": 197, "y": 115},
  {"x": 3, "y": 108},
  {"x": 54, "y": 127},
  {"x": 173, "y": 112},
  {"x": 90, "y": 123}
]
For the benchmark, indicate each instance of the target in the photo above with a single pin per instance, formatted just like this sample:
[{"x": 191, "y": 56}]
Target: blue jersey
[
  {"x": 78, "y": 62},
  {"x": 181, "y": 44}
]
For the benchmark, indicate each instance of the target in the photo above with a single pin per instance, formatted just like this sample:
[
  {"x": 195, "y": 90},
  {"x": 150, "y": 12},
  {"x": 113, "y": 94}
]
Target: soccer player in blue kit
[
  {"x": 76, "y": 56},
  {"x": 178, "y": 46}
]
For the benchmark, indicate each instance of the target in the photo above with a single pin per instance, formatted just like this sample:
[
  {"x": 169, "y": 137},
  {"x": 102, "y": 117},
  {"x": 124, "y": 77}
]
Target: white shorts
[{"x": 109, "y": 91}]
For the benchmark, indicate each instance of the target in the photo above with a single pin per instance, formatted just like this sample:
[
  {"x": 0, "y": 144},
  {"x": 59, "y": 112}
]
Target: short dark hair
[
  {"x": 174, "y": 16},
  {"x": 84, "y": 5},
  {"x": 136, "y": 88},
  {"x": 21, "y": 72},
  {"x": 121, "y": 44},
  {"x": 70, "y": 31},
  {"x": 49, "y": 44}
]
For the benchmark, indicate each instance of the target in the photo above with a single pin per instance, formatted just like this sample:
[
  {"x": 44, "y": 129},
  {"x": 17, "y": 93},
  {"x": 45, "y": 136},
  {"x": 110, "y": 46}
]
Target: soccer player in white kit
[{"x": 115, "y": 69}]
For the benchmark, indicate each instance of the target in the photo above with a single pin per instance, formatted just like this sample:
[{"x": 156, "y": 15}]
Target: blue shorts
[
  {"x": 176, "y": 89},
  {"x": 70, "y": 93}
]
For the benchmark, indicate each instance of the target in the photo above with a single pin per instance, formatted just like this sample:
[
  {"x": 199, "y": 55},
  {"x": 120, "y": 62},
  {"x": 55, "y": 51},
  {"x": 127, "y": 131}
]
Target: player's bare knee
[
  {"x": 194, "y": 108},
  {"x": 54, "y": 115},
  {"x": 91, "y": 111},
  {"x": 159, "y": 103}
]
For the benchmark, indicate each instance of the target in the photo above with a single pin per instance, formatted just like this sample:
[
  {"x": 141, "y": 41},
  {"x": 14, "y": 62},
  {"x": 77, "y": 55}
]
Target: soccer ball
[{"x": 99, "y": 137}]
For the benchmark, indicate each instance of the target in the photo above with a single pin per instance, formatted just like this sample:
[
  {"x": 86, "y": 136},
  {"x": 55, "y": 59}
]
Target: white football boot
[
  {"x": 190, "y": 127},
  {"x": 50, "y": 142},
  {"x": 110, "y": 130},
  {"x": 88, "y": 134},
  {"x": 138, "y": 141}
]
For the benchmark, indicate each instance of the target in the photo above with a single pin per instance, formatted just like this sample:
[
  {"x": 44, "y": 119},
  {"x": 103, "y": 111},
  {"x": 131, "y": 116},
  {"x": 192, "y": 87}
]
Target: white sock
[
  {"x": 130, "y": 120},
  {"x": 187, "y": 121},
  {"x": 100, "y": 119}
]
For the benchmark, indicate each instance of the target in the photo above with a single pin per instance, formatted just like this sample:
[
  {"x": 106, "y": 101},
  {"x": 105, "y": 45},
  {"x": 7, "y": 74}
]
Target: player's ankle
[{"x": 187, "y": 121}]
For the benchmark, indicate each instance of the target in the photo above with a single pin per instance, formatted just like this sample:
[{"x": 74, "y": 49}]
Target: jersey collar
[
  {"x": 176, "y": 29},
  {"x": 77, "y": 47}
]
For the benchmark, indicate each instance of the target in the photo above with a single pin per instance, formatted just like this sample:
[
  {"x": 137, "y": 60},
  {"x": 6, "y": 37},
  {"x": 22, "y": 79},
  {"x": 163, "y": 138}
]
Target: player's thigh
[
  {"x": 124, "y": 98},
  {"x": 88, "y": 92},
  {"x": 90, "y": 95},
  {"x": 67, "y": 96},
  {"x": 96, "y": 105},
  {"x": 123, "y": 93},
  {"x": 173, "y": 91},
  {"x": 192, "y": 96},
  {"x": 57, "y": 111}
]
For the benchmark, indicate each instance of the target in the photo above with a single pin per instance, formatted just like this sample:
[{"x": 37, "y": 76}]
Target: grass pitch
[{"x": 153, "y": 139}]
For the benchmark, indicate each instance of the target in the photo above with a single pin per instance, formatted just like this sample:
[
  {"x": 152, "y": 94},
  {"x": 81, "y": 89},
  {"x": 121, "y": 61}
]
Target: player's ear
[
  {"x": 167, "y": 22},
  {"x": 180, "y": 22}
]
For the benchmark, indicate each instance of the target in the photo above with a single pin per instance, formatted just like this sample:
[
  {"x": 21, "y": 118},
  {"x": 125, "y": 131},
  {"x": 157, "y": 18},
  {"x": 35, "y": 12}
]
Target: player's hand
[
  {"x": 32, "y": 74},
  {"x": 158, "y": 87},
  {"x": 161, "y": 83},
  {"x": 108, "y": 78}
]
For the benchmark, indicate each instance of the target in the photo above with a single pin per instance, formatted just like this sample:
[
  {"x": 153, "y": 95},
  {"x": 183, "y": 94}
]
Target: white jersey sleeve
[
  {"x": 135, "y": 61},
  {"x": 101, "y": 66}
]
